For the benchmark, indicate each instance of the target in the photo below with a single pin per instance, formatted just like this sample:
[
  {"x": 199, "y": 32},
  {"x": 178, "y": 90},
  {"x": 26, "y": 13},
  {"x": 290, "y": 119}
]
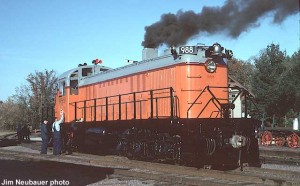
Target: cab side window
[
  {"x": 74, "y": 87},
  {"x": 62, "y": 88},
  {"x": 74, "y": 83}
]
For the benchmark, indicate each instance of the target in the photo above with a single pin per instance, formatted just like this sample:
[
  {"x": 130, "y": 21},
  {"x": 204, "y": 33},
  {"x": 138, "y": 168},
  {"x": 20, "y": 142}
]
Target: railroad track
[
  {"x": 282, "y": 156},
  {"x": 280, "y": 160},
  {"x": 161, "y": 173}
]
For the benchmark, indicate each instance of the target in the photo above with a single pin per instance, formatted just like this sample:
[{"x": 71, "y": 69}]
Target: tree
[
  {"x": 27, "y": 104},
  {"x": 291, "y": 82},
  {"x": 296, "y": 79},
  {"x": 42, "y": 88},
  {"x": 242, "y": 71},
  {"x": 11, "y": 114},
  {"x": 267, "y": 80}
]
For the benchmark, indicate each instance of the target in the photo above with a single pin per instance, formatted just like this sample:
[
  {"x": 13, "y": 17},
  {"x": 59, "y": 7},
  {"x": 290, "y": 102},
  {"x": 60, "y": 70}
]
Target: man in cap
[{"x": 44, "y": 135}]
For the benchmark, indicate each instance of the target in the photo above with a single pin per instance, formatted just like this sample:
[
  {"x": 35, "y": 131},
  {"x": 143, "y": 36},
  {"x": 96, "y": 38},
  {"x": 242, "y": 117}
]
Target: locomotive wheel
[
  {"x": 293, "y": 140},
  {"x": 266, "y": 138},
  {"x": 280, "y": 141}
]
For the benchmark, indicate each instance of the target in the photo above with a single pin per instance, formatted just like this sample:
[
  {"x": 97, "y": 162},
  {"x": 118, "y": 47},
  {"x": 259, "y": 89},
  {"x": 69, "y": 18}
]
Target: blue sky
[{"x": 37, "y": 35}]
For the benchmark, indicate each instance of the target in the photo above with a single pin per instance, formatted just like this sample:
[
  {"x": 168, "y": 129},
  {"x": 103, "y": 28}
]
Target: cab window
[
  {"x": 86, "y": 72},
  {"x": 74, "y": 83},
  {"x": 74, "y": 87},
  {"x": 62, "y": 88}
]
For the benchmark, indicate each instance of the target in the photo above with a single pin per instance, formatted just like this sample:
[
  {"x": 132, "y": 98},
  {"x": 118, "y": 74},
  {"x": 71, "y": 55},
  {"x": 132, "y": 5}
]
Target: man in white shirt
[{"x": 56, "y": 134}]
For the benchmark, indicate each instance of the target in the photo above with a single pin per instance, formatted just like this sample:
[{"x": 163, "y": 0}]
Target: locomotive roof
[
  {"x": 142, "y": 66},
  {"x": 166, "y": 60},
  {"x": 68, "y": 73}
]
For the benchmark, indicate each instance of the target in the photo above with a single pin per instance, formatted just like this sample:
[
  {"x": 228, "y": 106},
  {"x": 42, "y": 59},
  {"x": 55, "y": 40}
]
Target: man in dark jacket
[
  {"x": 44, "y": 135},
  {"x": 25, "y": 132}
]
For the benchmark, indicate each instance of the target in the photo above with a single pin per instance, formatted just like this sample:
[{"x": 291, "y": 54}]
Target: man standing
[
  {"x": 57, "y": 135},
  {"x": 44, "y": 135}
]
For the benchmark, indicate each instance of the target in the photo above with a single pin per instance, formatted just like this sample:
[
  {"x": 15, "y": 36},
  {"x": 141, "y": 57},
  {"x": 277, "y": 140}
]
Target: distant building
[{"x": 236, "y": 96}]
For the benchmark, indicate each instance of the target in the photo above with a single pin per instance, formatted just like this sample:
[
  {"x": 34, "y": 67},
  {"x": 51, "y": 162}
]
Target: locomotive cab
[
  {"x": 71, "y": 79},
  {"x": 69, "y": 82}
]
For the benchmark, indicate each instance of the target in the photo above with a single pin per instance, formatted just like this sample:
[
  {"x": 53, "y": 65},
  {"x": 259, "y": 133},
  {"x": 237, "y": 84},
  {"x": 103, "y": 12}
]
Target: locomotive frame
[{"x": 151, "y": 123}]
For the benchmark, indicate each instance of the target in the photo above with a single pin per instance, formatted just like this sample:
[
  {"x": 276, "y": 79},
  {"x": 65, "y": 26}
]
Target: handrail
[
  {"x": 218, "y": 104},
  {"x": 107, "y": 102},
  {"x": 121, "y": 95},
  {"x": 214, "y": 98},
  {"x": 187, "y": 112}
]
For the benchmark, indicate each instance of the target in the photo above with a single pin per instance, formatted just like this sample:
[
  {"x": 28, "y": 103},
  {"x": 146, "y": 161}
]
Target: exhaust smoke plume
[{"x": 233, "y": 18}]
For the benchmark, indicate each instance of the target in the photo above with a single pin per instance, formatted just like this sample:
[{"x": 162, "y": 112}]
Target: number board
[{"x": 187, "y": 50}]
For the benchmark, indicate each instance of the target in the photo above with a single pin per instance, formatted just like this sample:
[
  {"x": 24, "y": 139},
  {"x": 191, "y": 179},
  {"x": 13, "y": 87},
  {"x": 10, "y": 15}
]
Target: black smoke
[{"x": 233, "y": 18}]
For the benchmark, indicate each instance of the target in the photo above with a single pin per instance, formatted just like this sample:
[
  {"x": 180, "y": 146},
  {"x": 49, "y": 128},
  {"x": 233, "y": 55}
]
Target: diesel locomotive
[{"x": 175, "y": 106}]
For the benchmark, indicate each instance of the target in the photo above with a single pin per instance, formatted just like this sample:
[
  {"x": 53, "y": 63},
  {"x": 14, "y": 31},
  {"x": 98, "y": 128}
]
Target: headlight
[
  {"x": 211, "y": 66},
  {"x": 237, "y": 141}
]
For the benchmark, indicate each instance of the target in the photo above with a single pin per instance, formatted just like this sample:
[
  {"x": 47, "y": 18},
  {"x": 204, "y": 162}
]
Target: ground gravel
[
  {"x": 123, "y": 182},
  {"x": 281, "y": 167}
]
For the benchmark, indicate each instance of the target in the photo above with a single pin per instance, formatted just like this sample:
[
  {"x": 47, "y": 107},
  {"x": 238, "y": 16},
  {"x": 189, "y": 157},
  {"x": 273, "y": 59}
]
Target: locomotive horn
[{"x": 228, "y": 54}]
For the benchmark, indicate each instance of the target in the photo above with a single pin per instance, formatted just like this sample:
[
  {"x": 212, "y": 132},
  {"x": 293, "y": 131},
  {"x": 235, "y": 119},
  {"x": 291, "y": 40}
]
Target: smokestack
[
  {"x": 149, "y": 53},
  {"x": 233, "y": 18}
]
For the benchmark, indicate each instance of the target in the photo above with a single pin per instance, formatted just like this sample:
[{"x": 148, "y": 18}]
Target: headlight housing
[
  {"x": 237, "y": 141},
  {"x": 210, "y": 66}
]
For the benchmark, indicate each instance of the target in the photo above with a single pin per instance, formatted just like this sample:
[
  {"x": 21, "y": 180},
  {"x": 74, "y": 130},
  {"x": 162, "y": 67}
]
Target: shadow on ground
[
  {"x": 51, "y": 171},
  {"x": 8, "y": 142}
]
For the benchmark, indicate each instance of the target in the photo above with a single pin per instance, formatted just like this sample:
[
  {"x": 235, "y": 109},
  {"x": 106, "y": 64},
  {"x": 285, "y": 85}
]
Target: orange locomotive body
[
  {"x": 186, "y": 76},
  {"x": 182, "y": 95}
]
